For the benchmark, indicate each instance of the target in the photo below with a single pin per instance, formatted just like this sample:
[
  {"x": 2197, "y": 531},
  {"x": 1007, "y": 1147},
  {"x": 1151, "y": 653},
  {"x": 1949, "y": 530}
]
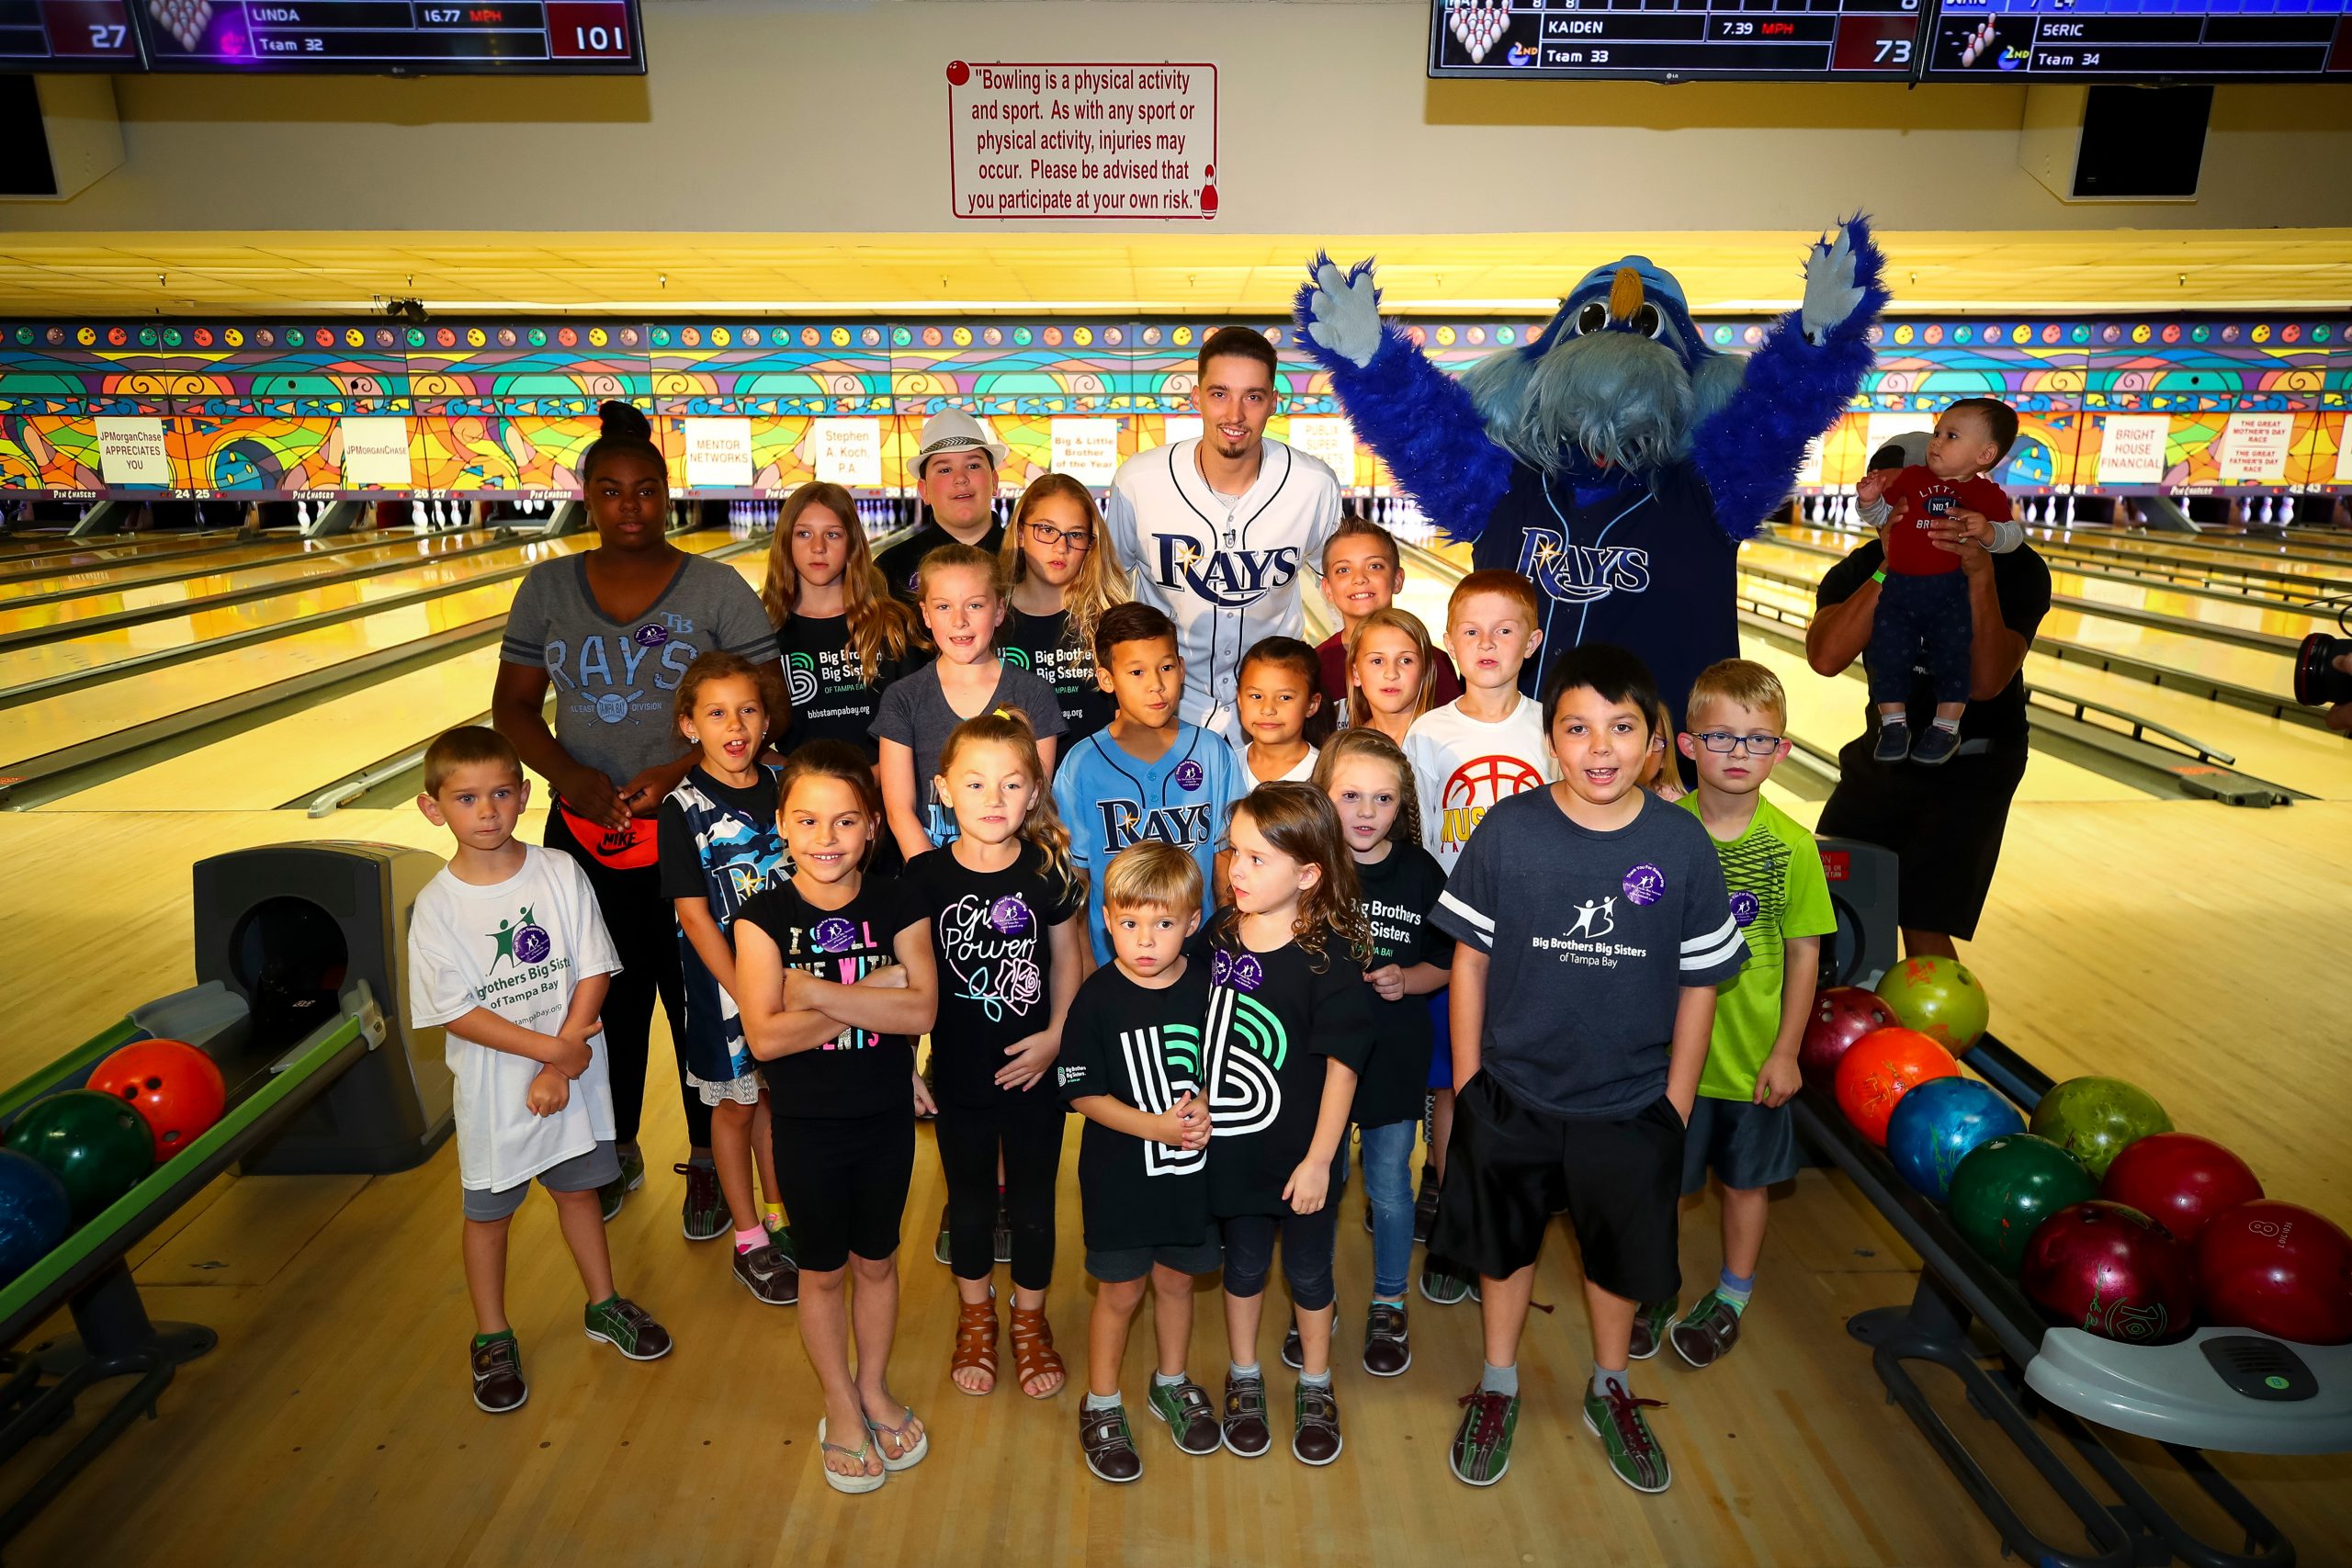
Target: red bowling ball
[
  {"x": 2179, "y": 1180},
  {"x": 1841, "y": 1015},
  {"x": 2276, "y": 1268},
  {"x": 176, "y": 1088},
  {"x": 2110, "y": 1271}
]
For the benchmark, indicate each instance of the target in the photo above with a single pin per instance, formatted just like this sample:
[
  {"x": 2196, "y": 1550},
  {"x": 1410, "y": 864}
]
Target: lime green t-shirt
[{"x": 1778, "y": 892}]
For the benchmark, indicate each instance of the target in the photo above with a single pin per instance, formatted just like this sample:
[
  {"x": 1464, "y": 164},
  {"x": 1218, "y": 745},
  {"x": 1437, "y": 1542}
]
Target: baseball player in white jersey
[{"x": 1216, "y": 531}]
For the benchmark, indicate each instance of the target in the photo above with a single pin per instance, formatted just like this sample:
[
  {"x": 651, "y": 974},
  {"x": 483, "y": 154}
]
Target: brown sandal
[
  {"x": 1034, "y": 1355},
  {"x": 975, "y": 1344}
]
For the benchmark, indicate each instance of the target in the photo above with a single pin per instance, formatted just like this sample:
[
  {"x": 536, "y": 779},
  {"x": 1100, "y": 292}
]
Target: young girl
[
  {"x": 1004, "y": 906},
  {"x": 720, "y": 847},
  {"x": 843, "y": 637},
  {"x": 960, "y": 590},
  {"x": 1659, "y": 774},
  {"x": 1064, "y": 575},
  {"x": 835, "y": 974},
  {"x": 1392, "y": 676},
  {"x": 1290, "y": 1019},
  {"x": 1371, "y": 784}
]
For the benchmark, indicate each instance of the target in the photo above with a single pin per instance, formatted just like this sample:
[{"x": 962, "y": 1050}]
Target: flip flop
[
  {"x": 853, "y": 1484},
  {"x": 878, "y": 1430}
]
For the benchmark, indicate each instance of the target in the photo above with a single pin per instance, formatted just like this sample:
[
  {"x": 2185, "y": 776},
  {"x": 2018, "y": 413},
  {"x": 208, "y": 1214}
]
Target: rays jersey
[
  {"x": 1224, "y": 568},
  {"x": 1109, "y": 799}
]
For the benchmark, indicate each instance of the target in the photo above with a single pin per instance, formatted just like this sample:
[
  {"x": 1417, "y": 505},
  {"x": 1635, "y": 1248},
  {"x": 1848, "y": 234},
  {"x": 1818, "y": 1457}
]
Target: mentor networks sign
[{"x": 1123, "y": 142}]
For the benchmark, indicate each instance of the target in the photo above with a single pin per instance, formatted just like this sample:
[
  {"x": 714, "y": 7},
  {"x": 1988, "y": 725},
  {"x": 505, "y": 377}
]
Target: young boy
[
  {"x": 1922, "y": 615},
  {"x": 1592, "y": 929},
  {"x": 1278, "y": 697},
  {"x": 1485, "y": 746},
  {"x": 1131, "y": 1066},
  {"x": 1740, "y": 1124},
  {"x": 1362, "y": 569},
  {"x": 1148, "y": 775},
  {"x": 507, "y": 954}
]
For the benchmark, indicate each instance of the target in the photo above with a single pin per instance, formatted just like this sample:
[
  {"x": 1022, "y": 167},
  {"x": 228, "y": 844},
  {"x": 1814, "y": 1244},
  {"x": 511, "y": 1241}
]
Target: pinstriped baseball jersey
[{"x": 1224, "y": 568}]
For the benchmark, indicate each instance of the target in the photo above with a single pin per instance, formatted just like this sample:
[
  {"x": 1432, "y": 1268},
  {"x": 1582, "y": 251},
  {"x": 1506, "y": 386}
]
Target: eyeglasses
[
  {"x": 1046, "y": 534},
  {"x": 1723, "y": 740}
]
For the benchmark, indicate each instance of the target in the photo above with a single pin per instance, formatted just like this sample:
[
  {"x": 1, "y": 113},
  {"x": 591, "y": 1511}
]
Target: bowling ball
[
  {"x": 34, "y": 1213},
  {"x": 2110, "y": 1271},
  {"x": 2276, "y": 1268},
  {"x": 2179, "y": 1180},
  {"x": 1935, "y": 1126},
  {"x": 176, "y": 1088},
  {"x": 94, "y": 1144},
  {"x": 1841, "y": 1015},
  {"x": 2006, "y": 1186},
  {"x": 2095, "y": 1119},
  {"x": 1938, "y": 997},
  {"x": 1880, "y": 1068}
]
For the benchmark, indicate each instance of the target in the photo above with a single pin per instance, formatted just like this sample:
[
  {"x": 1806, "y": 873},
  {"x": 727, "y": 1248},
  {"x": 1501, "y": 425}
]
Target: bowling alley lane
[
  {"x": 98, "y": 650},
  {"x": 2094, "y": 550},
  {"x": 281, "y": 566},
  {"x": 227, "y": 556},
  {"x": 291, "y": 758},
  {"x": 52, "y": 552}
]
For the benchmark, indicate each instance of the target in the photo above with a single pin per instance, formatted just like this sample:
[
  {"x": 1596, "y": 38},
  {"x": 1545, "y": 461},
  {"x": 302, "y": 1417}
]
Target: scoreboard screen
[
  {"x": 400, "y": 38},
  {"x": 2141, "y": 41},
  {"x": 1676, "y": 40},
  {"x": 67, "y": 35}
]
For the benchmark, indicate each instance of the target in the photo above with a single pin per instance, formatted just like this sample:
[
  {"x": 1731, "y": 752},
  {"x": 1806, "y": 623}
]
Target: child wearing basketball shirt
[
  {"x": 508, "y": 956},
  {"x": 1740, "y": 1124},
  {"x": 1482, "y": 748},
  {"x": 1922, "y": 615}
]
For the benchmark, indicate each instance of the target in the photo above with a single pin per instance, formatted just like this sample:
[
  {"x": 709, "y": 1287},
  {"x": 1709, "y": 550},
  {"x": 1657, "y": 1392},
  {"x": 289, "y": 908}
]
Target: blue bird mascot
[{"x": 1614, "y": 458}]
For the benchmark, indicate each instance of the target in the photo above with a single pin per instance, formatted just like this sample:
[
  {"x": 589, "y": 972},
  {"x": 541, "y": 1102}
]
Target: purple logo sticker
[
  {"x": 1009, "y": 915},
  {"x": 652, "y": 634},
  {"x": 1743, "y": 909},
  {"x": 1241, "y": 970},
  {"x": 833, "y": 935},
  {"x": 1644, "y": 883},
  {"x": 531, "y": 944},
  {"x": 1189, "y": 776}
]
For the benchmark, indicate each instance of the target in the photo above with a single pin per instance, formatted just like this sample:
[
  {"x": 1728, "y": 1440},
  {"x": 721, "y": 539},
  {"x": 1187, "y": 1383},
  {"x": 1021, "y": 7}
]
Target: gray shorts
[
  {"x": 1747, "y": 1144},
  {"x": 1120, "y": 1265},
  {"x": 581, "y": 1173}
]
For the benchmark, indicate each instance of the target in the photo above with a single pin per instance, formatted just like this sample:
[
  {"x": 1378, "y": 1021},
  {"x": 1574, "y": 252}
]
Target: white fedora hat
[{"x": 954, "y": 431}]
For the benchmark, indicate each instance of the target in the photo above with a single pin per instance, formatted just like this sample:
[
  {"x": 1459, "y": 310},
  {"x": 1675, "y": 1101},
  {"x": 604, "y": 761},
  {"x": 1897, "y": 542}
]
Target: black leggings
[
  {"x": 645, "y": 934},
  {"x": 1308, "y": 1243},
  {"x": 1028, "y": 1127}
]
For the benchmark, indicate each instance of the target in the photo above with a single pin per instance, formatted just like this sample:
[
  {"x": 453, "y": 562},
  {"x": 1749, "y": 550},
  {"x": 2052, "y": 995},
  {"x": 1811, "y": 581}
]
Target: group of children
[{"x": 1221, "y": 960}]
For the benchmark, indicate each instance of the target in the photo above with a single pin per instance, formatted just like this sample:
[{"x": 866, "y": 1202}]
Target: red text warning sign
[{"x": 1063, "y": 140}]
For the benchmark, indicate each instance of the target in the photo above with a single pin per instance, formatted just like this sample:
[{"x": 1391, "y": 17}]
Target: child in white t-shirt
[{"x": 508, "y": 956}]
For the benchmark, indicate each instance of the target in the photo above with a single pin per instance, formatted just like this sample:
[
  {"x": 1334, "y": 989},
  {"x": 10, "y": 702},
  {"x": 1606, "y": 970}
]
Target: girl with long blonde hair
[
  {"x": 1064, "y": 573},
  {"x": 842, "y": 636}
]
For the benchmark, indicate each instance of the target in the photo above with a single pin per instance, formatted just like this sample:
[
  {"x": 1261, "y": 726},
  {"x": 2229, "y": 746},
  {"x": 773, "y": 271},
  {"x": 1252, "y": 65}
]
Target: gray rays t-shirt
[{"x": 614, "y": 684}]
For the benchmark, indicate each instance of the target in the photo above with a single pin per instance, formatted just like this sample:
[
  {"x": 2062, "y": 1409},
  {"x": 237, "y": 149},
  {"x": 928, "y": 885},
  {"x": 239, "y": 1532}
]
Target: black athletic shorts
[
  {"x": 1747, "y": 1144},
  {"x": 844, "y": 1179},
  {"x": 1509, "y": 1168},
  {"x": 1944, "y": 825}
]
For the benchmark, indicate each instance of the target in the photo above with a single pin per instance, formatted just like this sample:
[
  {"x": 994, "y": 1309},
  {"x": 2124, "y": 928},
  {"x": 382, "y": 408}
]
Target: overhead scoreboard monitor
[
  {"x": 1676, "y": 41},
  {"x": 2141, "y": 41},
  {"x": 67, "y": 35},
  {"x": 567, "y": 37}
]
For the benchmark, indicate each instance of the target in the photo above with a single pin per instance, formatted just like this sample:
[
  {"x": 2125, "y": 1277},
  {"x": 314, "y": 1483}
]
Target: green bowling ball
[
  {"x": 2006, "y": 1187},
  {"x": 2095, "y": 1119},
  {"x": 1938, "y": 997},
  {"x": 95, "y": 1144}
]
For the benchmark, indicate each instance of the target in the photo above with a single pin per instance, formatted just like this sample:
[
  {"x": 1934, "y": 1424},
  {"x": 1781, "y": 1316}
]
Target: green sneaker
[
  {"x": 1705, "y": 1334},
  {"x": 1482, "y": 1443},
  {"x": 1624, "y": 1433},
  {"x": 1184, "y": 1406},
  {"x": 1441, "y": 1285},
  {"x": 1651, "y": 1320},
  {"x": 628, "y": 1328},
  {"x": 702, "y": 1216},
  {"x": 632, "y": 1176}
]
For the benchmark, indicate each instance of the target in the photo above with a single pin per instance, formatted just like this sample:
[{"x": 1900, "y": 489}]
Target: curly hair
[
  {"x": 1373, "y": 745},
  {"x": 1298, "y": 820}
]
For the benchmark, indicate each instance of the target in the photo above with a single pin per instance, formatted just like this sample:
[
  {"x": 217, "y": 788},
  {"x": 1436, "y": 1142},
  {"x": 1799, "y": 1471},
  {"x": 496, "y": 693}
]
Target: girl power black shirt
[{"x": 989, "y": 932}]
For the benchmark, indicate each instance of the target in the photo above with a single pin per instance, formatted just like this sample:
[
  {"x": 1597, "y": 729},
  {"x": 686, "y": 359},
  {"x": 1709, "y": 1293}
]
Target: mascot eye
[
  {"x": 1591, "y": 317},
  {"x": 1649, "y": 321}
]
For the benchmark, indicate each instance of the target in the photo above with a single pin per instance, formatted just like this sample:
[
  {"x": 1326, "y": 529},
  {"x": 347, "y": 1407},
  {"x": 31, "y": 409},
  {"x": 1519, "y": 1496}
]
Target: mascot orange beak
[{"x": 1625, "y": 295}]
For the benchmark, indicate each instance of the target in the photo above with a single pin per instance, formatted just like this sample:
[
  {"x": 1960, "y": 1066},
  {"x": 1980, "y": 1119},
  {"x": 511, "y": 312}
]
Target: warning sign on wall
[{"x": 1054, "y": 140}]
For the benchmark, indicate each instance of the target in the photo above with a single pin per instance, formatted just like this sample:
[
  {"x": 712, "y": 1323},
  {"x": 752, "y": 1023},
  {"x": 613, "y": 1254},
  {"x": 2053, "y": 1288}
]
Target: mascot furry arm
[{"x": 1741, "y": 426}]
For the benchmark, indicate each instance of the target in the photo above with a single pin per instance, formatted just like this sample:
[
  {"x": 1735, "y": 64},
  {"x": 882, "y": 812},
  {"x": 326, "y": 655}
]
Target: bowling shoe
[
  {"x": 1315, "y": 1413},
  {"x": 1632, "y": 1450},
  {"x": 498, "y": 1376},
  {"x": 1108, "y": 1445},
  {"x": 1246, "y": 1436},
  {"x": 702, "y": 1216},
  {"x": 1387, "y": 1346},
  {"x": 1651, "y": 1320},
  {"x": 1705, "y": 1334},
  {"x": 769, "y": 1275},
  {"x": 628, "y": 1328},
  {"x": 1292, "y": 1356}
]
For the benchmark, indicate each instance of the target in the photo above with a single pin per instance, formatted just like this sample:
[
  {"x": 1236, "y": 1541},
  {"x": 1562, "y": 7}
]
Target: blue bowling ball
[
  {"x": 34, "y": 1213},
  {"x": 1935, "y": 1125}
]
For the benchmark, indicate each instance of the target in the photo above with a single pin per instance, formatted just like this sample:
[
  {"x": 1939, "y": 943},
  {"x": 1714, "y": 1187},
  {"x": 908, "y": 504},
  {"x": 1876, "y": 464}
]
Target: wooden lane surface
[
  {"x": 34, "y": 550},
  {"x": 272, "y": 763},
  {"x": 224, "y": 556},
  {"x": 2173, "y": 548},
  {"x": 280, "y": 568},
  {"x": 2122, "y": 938}
]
